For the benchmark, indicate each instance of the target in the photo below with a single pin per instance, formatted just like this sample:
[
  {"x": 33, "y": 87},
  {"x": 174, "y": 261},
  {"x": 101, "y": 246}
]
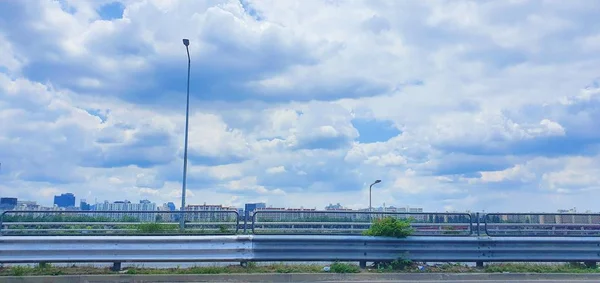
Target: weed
[
  {"x": 339, "y": 267},
  {"x": 149, "y": 228},
  {"x": 390, "y": 227},
  {"x": 44, "y": 265},
  {"x": 539, "y": 268},
  {"x": 19, "y": 270},
  {"x": 396, "y": 265},
  {"x": 223, "y": 229},
  {"x": 399, "y": 265}
]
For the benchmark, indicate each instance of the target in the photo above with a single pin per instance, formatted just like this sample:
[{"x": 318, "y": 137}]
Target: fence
[
  {"x": 542, "y": 224},
  {"x": 299, "y": 248},
  {"x": 28, "y": 223},
  {"x": 276, "y": 222}
]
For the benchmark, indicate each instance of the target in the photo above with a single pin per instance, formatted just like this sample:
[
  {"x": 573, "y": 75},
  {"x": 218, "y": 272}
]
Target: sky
[{"x": 454, "y": 105}]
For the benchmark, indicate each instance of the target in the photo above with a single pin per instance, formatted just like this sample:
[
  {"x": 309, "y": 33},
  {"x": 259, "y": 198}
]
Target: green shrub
[
  {"x": 339, "y": 267},
  {"x": 43, "y": 265},
  {"x": 148, "y": 228},
  {"x": 223, "y": 229},
  {"x": 19, "y": 270},
  {"x": 390, "y": 227},
  {"x": 448, "y": 230},
  {"x": 399, "y": 264}
]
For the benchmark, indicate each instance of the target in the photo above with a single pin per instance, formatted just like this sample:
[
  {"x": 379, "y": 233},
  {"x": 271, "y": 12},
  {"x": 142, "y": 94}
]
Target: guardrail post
[
  {"x": 591, "y": 264},
  {"x": 254, "y": 221},
  {"x": 362, "y": 264},
  {"x": 479, "y": 264},
  {"x": 478, "y": 227},
  {"x": 116, "y": 266},
  {"x": 1, "y": 220},
  {"x": 42, "y": 264}
]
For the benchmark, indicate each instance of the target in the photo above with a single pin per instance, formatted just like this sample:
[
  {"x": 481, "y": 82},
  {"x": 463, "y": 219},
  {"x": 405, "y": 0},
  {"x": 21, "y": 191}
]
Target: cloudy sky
[{"x": 454, "y": 105}]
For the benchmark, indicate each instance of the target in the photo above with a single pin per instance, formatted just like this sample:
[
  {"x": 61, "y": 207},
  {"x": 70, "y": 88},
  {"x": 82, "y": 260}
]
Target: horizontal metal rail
[
  {"x": 355, "y": 228},
  {"x": 351, "y": 223},
  {"x": 243, "y": 248},
  {"x": 33, "y": 222},
  {"x": 542, "y": 224},
  {"x": 597, "y": 226},
  {"x": 90, "y": 229},
  {"x": 273, "y": 222},
  {"x": 113, "y": 223},
  {"x": 278, "y": 222}
]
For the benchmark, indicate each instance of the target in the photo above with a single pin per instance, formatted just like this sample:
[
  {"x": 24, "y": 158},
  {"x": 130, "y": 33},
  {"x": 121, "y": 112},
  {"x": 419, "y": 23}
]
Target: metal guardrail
[
  {"x": 74, "y": 222},
  {"x": 542, "y": 224},
  {"x": 299, "y": 248},
  {"x": 277, "y": 222}
]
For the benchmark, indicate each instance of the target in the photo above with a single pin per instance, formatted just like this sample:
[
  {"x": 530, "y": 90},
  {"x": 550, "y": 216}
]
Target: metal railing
[
  {"x": 277, "y": 222},
  {"x": 299, "y": 248},
  {"x": 542, "y": 224},
  {"x": 274, "y": 222},
  {"x": 74, "y": 222}
]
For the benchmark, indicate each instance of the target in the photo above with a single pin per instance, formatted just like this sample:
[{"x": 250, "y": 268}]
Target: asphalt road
[{"x": 473, "y": 281}]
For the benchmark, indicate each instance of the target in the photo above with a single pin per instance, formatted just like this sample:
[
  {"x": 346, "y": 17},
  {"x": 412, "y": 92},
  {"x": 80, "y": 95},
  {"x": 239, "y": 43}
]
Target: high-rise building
[
  {"x": 27, "y": 205},
  {"x": 8, "y": 203},
  {"x": 206, "y": 213},
  {"x": 249, "y": 208},
  {"x": 83, "y": 205},
  {"x": 165, "y": 215},
  {"x": 143, "y": 211},
  {"x": 285, "y": 214},
  {"x": 65, "y": 200},
  {"x": 171, "y": 206},
  {"x": 337, "y": 206}
]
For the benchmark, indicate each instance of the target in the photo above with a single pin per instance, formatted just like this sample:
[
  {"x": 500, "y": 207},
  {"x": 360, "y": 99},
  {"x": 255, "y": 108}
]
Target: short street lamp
[{"x": 370, "y": 188}]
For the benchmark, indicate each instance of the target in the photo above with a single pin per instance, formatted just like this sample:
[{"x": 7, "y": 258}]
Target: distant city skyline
[
  {"x": 69, "y": 198},
  {"x": 249, "y": 207}
]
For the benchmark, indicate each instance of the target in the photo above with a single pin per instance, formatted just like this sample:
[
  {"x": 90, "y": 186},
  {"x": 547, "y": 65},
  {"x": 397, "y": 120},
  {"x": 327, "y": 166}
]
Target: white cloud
[
  {"x": 579, "y": 174},
  {"x": 275, "y": 170},
  {"x": 591, "y": 43},
  {"x": 551, "y": 128},
  {"x": 496, "y": 101},
  {"x": 517, "y": 173},
  {"x": 389, "y": 159}
]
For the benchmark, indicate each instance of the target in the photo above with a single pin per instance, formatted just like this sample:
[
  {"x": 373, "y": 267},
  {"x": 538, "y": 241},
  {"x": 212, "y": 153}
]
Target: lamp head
[
  {"x": 377, "y": 181},
  {"x": 186, "y": 42}
]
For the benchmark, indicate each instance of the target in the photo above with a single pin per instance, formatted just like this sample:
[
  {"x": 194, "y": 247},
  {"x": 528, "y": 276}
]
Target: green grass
[
  {"x": 251, "y": 268},
  {"x": 336, "y": 267},
  {"x": 407, "y": 266},
  {"x": 341, "y": 267},
  {"x": 541, "y": 268},
  {"x": 148, "y": 228}
]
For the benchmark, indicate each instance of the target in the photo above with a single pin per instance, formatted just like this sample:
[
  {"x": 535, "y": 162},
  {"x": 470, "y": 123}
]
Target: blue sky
[{"x": 455, "y": 105}]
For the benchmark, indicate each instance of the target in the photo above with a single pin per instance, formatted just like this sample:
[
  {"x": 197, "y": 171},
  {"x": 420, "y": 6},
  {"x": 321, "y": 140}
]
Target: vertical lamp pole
[
  {"x": 370, "y": 188},
  {"x": 186, "y": 42}
]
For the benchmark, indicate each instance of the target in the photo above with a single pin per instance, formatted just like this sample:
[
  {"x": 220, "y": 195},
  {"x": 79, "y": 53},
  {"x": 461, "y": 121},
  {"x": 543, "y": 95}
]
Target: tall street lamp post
[
  {"x": 370, "y": 188},
  {"x": 186, "y": 42}
]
